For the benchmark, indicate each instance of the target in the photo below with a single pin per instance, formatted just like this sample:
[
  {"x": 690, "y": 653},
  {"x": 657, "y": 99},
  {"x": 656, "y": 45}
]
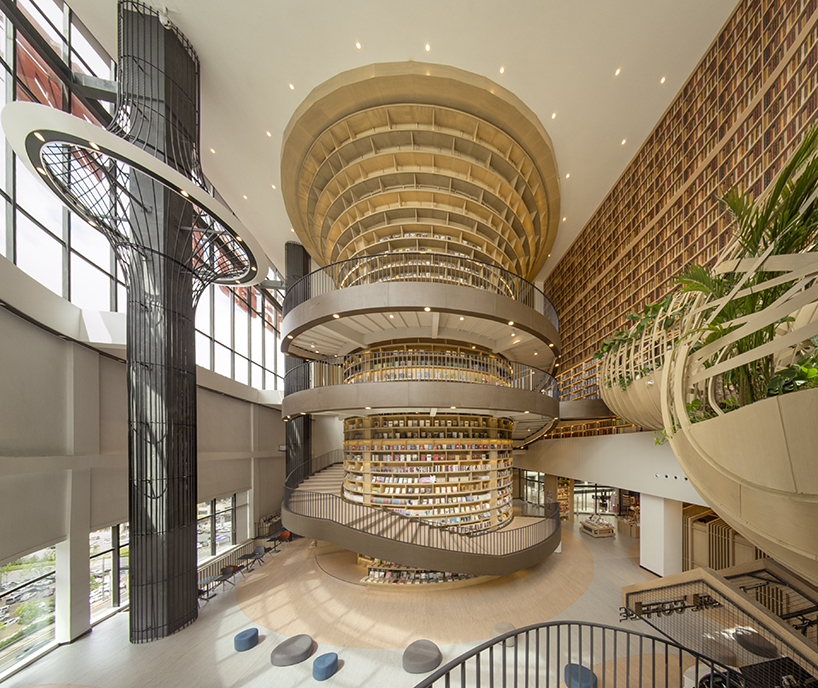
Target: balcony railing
[
  {"x": 438, "y": 268},
  {"x": 569, "y": 653},
  {"x": 419, "y": 366},
  {"x": 384, "y": 523}
]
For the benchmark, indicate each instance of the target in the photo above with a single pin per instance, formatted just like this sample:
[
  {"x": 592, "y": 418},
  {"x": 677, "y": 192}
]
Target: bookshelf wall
[
  {"x": 741, "y": 113},
  {"x": 453, "y": 470}
]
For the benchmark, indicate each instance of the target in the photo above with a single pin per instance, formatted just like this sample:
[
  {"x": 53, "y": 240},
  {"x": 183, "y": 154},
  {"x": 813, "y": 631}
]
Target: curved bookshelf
[{"x": 451, "y": 470}]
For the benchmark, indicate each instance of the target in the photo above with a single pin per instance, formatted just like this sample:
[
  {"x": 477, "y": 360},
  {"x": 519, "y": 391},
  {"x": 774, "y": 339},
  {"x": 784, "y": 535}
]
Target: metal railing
[
  {"x": 439, "y": 268},
  {"x": 426, "y": 366},
  {"x": 385, "y": 523},
  {"x": 568, "y": 653}
]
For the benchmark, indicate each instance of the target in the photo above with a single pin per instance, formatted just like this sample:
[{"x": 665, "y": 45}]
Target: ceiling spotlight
[
  {"x": 39, "y": 136},
  {"x": 551, "y": 345},
  {"x": 502, "y": 70},
  {"x": 212, "y": 151},
  {"x": 510, "y": 322},
  {"x": 41, "y": 170},
  {"x": 312, "y": 345},
  {"x": 567, "y": 174},
  {"x": 391, "y": 315},
  {"x": 291, "y": 229},
  {"x": 462, "y": 318},
  {"x": 93, "y": 145},
  {"x": 564, "y": 219},
  {"x": 336, "y": 316},
  {"x": 358, "y": 45},
  {"x": 244, "y": 197},
  {"x": 452, "y": 407},
  {"x": 616, "y": 73},
  {"x": 513, "y": 334},
  {"x": 473, "y": 347},
  {"x": 273, "y": 185},
  {"x": 254, "y": 268},
  {"x": 269, "y": 134},
  {"x": 183, "y": 192},
  {"x": 553, "y": 115},
  {"x": 292, "y": 88},
  {"x": 525, "y": 411},
  {"x": 92, "y": 223},
  {"x": 289, "y": 336},
  {"x": 662, "y": 80},
  {"x": 427, "y": 309},
  {"x": 367, "y": 407},
  {"x": 535, "y": 353},
  {"x": 556, "y": 364},
  {"x": 623, "y": 141},
  {"x": 428, "y": 47}
]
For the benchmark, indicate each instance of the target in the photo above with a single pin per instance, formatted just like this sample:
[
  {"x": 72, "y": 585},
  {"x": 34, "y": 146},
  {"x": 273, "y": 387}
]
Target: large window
[
  {"x": 27, "y": 588},
  {"x": 237, "y": 329},
  {"x": 218, "y": 523},
  {"x": 109, "y": 569}
]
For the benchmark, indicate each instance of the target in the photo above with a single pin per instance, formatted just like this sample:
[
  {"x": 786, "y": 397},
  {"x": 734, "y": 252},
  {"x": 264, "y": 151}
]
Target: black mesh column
[
  {"x": 160, "y": 78},
  {"x": 299, "y": 429}
]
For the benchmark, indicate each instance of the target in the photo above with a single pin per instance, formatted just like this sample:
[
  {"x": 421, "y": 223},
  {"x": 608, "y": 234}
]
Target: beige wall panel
[
  {"x": 109, "y": 494},
  {"x": 33, "y": 510},
  {"x": 270, "y": 490},
  {"x": 271, "y": 430},
  {"x": 220, "y": 477},
  {"x": 223, "y": 423},
  {"x": 34, "y": 399},
  {"x": 799, "y": 415},
  {"x": 113, "y": 407}
]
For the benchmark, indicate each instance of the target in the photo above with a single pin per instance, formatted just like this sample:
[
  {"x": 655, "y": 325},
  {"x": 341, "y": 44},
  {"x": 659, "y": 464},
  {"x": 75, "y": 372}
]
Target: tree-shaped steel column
[{"x": 140, "y": 183}]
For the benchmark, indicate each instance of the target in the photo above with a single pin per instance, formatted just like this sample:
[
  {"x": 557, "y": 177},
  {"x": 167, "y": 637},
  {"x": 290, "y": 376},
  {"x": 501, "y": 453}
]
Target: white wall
[
  {"x": 629, "y": 461},
  {"x": 327, "y": 434},
  {"x": 660, "y": 537}
]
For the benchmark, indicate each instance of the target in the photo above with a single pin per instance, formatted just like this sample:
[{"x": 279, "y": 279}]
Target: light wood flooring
[{"x": 290, "y": 594}]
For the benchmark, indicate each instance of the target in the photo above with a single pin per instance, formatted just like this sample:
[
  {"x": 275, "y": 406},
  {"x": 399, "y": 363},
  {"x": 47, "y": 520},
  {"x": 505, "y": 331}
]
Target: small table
[
  {"x": 250, "y": 559},
  {"x": 597, "y": 530},
  {"x": 206, "y": 583}
]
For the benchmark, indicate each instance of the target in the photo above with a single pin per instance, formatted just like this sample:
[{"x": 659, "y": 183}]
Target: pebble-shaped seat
[
  {"x": 421, "y": 657},
  {"x": 325, "y": 666},
  {"x": 577, "y": 676},
  {"x": 292, "y": 651},
  {"x": 245, "y": 640}
]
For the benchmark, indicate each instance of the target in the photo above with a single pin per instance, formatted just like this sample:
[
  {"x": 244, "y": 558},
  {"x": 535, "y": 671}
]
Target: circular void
[
  {"x": 90, "y": 170},
  {"x": 412, "y": 157}
]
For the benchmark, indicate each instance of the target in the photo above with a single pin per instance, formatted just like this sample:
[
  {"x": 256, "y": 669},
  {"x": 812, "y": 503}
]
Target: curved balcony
[
  {"x": 419, "y": 379},
  {"x": 384, "y": 534},
  {"x": 437, "y": 268}
]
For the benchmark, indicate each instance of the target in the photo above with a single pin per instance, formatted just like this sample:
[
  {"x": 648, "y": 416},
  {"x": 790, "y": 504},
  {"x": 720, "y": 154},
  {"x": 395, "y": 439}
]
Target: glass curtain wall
[
  {"x": 217, "y": 526},
  {"x": 41, "y": 43},
  {"x": 109, "y": 570},
  {"x": 27, "y": 588}
]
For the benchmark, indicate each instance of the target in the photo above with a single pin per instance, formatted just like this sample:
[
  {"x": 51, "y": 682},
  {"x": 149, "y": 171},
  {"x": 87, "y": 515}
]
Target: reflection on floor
[{"x": 290, "y": 594}]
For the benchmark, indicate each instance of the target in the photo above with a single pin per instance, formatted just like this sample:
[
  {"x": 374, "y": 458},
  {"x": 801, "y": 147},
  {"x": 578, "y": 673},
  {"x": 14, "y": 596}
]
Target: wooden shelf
[{"x": 454, "y": 470}]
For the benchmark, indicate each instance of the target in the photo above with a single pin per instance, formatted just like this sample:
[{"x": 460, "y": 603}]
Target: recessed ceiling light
[
  {"x": 553, "y": 115},
  {"x": 269, "y": 134},
  {"x": 525, "y": 411},
  {"x": 427, "y": 309},
  {"x": 92, "y": 223},
  {"x": 535, "y": 353},
  {"x": 39, "y": 136},
  {"x": 335, "y": 315},
  {"x": 462, "y": 318},
  {"x": 254, "y": 268},
  {"x": 358, "y": 45},
  {"x": 502, "y": 70},
  {"x": 567, "y": 174},
  {"x": 212, "y": 151},
  {"x": 513, "y": 335},
  {"x": 616, "y": 73},
  {"x": 564, "y": 219},
  {"x": 291, "y": 229},
  {"x": 273, "y": 185},
  {"x": 623, "y": 141},
  {"x": 289, "y": 336},
  {"x": 391, "y": 316},
  {"x": 662, "y": 80},
  {"x": 292, "y": 88},
  {"x": 556, "y": 364},
  {"x": 244, "y": 197},
  {"x": 312, "y": 345},
  {"x": 551, "y": 345},
  {"x": 41, "y": 170},
  {"x": 510, "y": 322},
  {"x": 452, "y": 407},
  {"x": 549, "y": 255},
  {"x": 428, "y": 47},
  {"x": 93, "y": 145},
  {"x": 367, "y": 407},
  {"x": 473, "y": 347}
]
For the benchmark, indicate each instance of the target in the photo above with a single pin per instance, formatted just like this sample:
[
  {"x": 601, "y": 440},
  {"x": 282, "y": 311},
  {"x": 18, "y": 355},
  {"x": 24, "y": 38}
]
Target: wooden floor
[{"x": 291, "y": 594}]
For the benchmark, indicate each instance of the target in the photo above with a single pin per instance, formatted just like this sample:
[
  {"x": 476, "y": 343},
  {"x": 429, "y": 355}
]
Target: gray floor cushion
[
  {"x": 293, "y": 650},
  {"x": 421, "y": 657}
]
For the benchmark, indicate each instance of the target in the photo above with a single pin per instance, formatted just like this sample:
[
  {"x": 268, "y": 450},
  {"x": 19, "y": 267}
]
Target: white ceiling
[{"x": 559, "y": 56}]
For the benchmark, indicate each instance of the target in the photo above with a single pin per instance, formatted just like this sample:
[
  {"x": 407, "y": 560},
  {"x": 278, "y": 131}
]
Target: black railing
[
  {"x": 439, "y": 268},
  {"x": 419, "y": 366},
  {"x": 567, "y": 653},
  {"x": 385, "y": 523}
]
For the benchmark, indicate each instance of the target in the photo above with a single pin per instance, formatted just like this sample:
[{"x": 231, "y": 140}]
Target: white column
[{"x": 660, "y": 546}]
